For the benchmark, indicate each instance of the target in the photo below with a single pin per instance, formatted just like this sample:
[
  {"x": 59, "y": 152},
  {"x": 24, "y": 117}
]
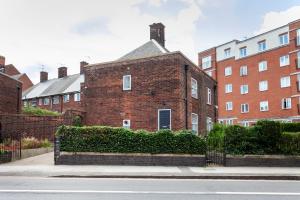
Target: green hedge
[
  {"x": 290, "y": 127},
  {"x": 29, "y": 110},
  {"x": 290, "y": 143},
  {"x": 120, "y": 140}
]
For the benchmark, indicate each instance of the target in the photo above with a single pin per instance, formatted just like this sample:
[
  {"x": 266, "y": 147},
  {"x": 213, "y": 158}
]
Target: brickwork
[{"x": 26, "y": 82}]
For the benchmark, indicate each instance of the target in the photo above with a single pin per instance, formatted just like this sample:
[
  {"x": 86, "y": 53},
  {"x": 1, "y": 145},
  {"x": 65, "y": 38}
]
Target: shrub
[
  {"x": 33, "y": 143},
  {"x": 290, "y": 143},
  {"x": 120, "y": 140},
  {"x": 29, "y": 110},
  {"x": 290, "y": 127},
  {"x": 217, "y": 131},
  {"x": 77, "y": 121}
]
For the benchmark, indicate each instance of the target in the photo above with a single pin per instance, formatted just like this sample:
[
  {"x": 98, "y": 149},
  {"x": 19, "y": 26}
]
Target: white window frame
[
  {"x": 66, "y": 99},
  {"x": 284, "y": 60},
  {"x": 128, "y": 123},
  {"x": 244, "y": 89},
  {"x": 263, "y": 85},
  {"x": 285, "y": 82},
  {"x": 46, "y": 101},
  {"x": 245, "y": 123},
  {"x": 288, "y": 103},
  {"x": 283, "y": 39},
  {"x": 208, "y": 96},
  {"x": 262, "y": 46},
  {"x": 228, "y": 88},
  {"x": 40, "y": 101},
  {"x": 55, "y": 100},
  {"x": 229, "y": 106},
  {"x": 244, "y": 70},
  {"x": 243, "y": 52},
  {"x": 125, "y": 88},
  {"x": 262, "y": 66},
  {"x": 298, "y": 37},
  {"x": 228, "y": 122},
  {"x": 77, "y": 97},
  {"x": 195, "y": 123},
  {"x": 228, "y": 71},
  {"x": 244, "y": 106},
  {"x": 194, "y": 88},
  {"x": 206, "y": 62},
  {"x": 227, "y": 53},
  {"x": 158, "y": 116},
  {"x": 264, "y": 106},
  {"x": 209, "y": 124}
]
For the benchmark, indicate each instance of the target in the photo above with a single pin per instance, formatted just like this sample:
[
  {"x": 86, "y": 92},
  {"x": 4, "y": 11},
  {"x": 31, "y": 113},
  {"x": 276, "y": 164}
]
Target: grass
[{"x": 39, "y": 112}]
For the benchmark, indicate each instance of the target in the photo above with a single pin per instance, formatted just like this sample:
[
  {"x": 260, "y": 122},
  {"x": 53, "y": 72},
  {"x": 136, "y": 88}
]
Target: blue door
[{"x": 164, "y": 119}]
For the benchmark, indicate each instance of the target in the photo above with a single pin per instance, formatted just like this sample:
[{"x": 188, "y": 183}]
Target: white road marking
[{"x": 153, "y": 192}]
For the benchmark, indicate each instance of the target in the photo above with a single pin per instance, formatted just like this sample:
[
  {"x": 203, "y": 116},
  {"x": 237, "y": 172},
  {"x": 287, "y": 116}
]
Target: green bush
[
  {"x": 290, "y": 127},
  {"x": 290, "y": 143},
  {"x": 29, "y": 110},
  {"x": 120, "y": 140},
  {"x": 218, "y": 131},
  {"x": 77, "y": 121},
  {"x": 33, "y": 143}
]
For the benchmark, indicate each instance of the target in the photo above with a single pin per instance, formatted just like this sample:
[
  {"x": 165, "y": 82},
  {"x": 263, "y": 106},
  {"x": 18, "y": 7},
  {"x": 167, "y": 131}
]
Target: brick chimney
[
  {"x": 2, "y": 61},
  {"x": 157, "y": 32},
  {"x": 82, "y": 65},
  {"x": 43, "y": 76},
  {"x": 62, "y": 72}
]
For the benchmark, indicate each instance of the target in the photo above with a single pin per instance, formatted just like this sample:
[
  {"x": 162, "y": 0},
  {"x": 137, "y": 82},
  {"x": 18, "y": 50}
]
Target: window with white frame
[
  {"x": 66, "y": 98},
  {"x": 228, "y": 71},
  {"x": 284, "y": 60},
  {"x": 194, "y": 88},
  {"x": 126, "y": 123},
  {"x": 298, "y": 60},
  {"x": 40, "y": 101},
  {"x": 262, "y": 45},
  {"x": 264, "y": 106},
  {"x": 229, "y": 105},
  {"x": 286, "y": 103},
  {"x": 243, "y": 52},
  {"x": 55, "y": 100},
  {"x": 127, "y": 82},
  {"x": 77, "y": 96},
  {"x": 228, "y": 88},
  {"x": 46, "y": 101},
  {"x": 298, "y": 37},
  {"x": 208, "y": 96},
  {"x": 243, "y": 70},
  {"x": 209, "y": 124},
  {"x": 194, "y": 123},
  {"x": 263, "y": 86},
  {"x": 285, "y": 82},
  {"x": 244, "y": 108},
  {"x": 283, "y": 39},
  {"x": 244, "y": 89},
  {"x": 206, "y": 62},
  {"x": 229, "y": 122},
  {"x": 227, "y": 53},
  {"x": 245, "y": 124},
  {"x": 33, "y": 103},
  {"x": 262, "y": 66}
]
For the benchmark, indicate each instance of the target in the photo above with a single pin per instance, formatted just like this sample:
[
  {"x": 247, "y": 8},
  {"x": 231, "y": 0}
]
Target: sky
[{"x": 47, "y": 34}]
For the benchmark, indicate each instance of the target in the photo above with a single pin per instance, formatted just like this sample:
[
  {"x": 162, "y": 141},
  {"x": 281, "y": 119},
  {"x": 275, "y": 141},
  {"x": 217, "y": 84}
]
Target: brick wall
[{"x": 26, "y": 82}]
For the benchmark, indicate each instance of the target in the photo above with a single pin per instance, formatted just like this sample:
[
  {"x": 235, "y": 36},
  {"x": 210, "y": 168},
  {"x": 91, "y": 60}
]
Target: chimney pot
[
  {"x": 43, "y": 76},
  {"x": 62, "y": 72},
  {"x": 157, "y": 32},
  {"x": 82, "y": 65}
]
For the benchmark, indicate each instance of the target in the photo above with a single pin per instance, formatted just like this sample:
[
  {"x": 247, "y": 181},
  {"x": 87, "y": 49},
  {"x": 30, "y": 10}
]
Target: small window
[
  {"x": 209, "y": 96},
  {"x": 262, "y": 66},
  {"x": 66, "y": 98},
  {"x": 164, "y": 119},
  {"x": 46, "y": 101},
  {"x": 126, "y": 123},
  {"x": 262, "y": 46},
  {"x": 284, "y": 60},
  {"x": 245, "y": 124},
  {"x": 127, "y": 82},
  {"x": 298, "y": 37},
  {"x": 263, "y": 86},
  {"x": 243, "y": 52},
  {"x": 229, "y": 105},
  {"x": 40, "y": 101},
  {"x": 285, "y": 82},
  {"x": 228, "y": 71},
  {"x": 244, "y": 108},
  {"x": 227, "y": 53},
  {"x": 283, "y": 39},
  {"x": 33, "y": 103},
  {"x": 194, "y": 123},
  {"x": 244, "y": 89},
  {"x": 194, "y": 88},
  {"x": 264, "y": 106},
  {"x": 228, "y": 88},
  {"x": 206, "y": 62},
  {"x": 209, "y": 124},
  {"x": 77, "y": 96},
  {"x": 229, "y": 122},
  {"x": 55, "y": 100},
  {"x": 243, "y": 71},
  {"x": 286, "y": 103}
]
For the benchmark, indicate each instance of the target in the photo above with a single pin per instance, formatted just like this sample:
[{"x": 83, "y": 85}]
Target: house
[
  {"x": 12, "y": 71},
  {"x": 150, "y": 88},
  {"x": 58, "y": 94},
  {"x": 259, "y": 77}
]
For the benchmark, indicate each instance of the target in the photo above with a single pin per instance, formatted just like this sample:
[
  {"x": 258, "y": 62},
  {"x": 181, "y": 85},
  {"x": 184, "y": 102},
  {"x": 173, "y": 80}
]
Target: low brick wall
[
  {"x": 262, "y": 161},
  {"x": 26, "y": 153},
  {"x": 129, "y": 159}
]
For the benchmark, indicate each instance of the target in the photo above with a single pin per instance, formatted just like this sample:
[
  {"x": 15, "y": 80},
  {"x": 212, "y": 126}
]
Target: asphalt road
[{"x": 21, "y": 188}]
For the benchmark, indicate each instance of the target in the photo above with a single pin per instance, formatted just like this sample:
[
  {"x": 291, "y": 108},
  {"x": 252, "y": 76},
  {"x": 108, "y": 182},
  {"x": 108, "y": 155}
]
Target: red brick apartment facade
[
  {"x": 162, "y": 91},
  {"x": 258, "y": 78}
]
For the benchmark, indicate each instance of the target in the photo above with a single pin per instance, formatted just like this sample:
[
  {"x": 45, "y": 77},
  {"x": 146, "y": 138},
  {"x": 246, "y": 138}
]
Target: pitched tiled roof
[
  {"x": 56, "y": 86},
  {"x": 151, "y": 48}
]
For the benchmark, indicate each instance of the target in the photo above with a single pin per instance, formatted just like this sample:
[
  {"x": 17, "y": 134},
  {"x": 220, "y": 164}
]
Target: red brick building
[
  {"x": 12, "y": 71},
  {"x": 58, "y": 94},
  {"x": 259, "y": 77},
  {"x": 150, "y": 88}
]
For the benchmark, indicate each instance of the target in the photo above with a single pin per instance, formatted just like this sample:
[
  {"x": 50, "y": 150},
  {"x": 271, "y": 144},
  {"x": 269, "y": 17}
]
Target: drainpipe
[{"x": 186, "y": 68}]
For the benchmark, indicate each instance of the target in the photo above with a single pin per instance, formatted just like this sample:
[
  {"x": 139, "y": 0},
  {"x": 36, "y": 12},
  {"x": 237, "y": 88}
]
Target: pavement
[{"x": 43, "y": 166}]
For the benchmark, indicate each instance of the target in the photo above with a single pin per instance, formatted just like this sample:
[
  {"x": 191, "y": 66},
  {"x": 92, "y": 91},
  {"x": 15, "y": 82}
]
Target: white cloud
[
  {"x": 42, "y": 32},
  {"x": 273, "y": 19}
]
